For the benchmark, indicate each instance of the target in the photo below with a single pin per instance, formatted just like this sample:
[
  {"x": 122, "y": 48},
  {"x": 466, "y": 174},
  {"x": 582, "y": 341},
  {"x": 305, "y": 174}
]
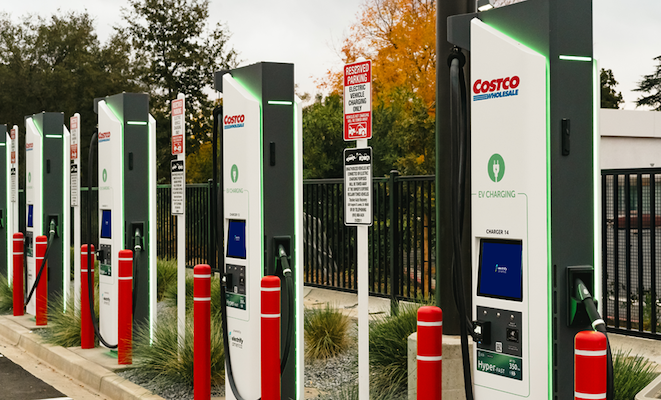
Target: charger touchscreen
[{"x": 500, "y": 274}]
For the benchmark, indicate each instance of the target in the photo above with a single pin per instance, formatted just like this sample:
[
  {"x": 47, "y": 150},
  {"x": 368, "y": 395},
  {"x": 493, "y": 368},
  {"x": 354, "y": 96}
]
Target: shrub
[
  {"x": 631, "y": 374},
  {"x": 160, "y": 360},
  {"x": 326, "y": 332},
  {"x": 166, "y": 276},
  {"x": 170, "y": 295},
  {"x": 389, "y": 349},
  {"x": 6, "y": 296}
]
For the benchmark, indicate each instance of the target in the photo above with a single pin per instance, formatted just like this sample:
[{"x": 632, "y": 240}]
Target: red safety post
[
  {"x": 590, "y": 366},
  {"x": 270, "y": 338},
  {"x": 42, "y": 286},
  {"x": 86, "y": 326},
  {"x": 17, "y": 277},
  {"x": 430, "y": 353},
  {"x": 125, "y": 308},
  {"x": 202, "y": 332}
]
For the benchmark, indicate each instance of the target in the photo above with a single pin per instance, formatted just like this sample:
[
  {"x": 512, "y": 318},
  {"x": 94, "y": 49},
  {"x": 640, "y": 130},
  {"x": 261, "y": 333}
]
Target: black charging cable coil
[
  {"x": 90, "y": 279},
  {"x": 51, "y": 237}
]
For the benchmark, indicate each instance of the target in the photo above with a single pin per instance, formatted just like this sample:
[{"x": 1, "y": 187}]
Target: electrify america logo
[
  {"x": 104, "y": 137},
  {"x": 234, "y": 121},
  {"x": 495, "y": 88}
]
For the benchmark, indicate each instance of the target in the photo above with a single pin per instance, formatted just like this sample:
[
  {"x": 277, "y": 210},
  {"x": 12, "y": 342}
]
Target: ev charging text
[
  {"x": 496, "y": 88},
  {"x": 234, "y": 121},
  {"x": 496, "y": 194}
]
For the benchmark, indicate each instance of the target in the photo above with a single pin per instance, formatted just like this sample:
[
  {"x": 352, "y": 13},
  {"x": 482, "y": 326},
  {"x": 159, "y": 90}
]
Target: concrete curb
[{"x": 90, "y": 374}]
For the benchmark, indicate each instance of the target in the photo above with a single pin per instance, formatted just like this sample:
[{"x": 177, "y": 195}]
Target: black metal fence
[
  {"x": 631, "y": 250},
  {"x": 401, "y": 240},
  {"x": 401, "y": 243}
]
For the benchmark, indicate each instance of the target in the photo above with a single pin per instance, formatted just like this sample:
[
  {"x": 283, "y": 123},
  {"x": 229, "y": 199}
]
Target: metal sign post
[
  {"x": 74, "y": 150},
  {"x": 358, "y": 194},
  {"x": 179, "y": 206}
]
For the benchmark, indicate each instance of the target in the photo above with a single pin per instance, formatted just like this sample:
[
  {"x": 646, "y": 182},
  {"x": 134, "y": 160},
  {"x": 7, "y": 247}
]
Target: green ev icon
[
  {"x": 104, "y": 175},
  {"x": 496, "y": 168},
  {"x": 29, "y": 176},
  {"x": 234, "y": 173}
]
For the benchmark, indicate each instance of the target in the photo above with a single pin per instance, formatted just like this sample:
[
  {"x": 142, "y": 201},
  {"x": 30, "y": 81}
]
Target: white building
[{"x": 629, "y": 139}]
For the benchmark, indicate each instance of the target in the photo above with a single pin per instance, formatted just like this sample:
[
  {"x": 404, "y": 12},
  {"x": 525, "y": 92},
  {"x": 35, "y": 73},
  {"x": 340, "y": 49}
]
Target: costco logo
[
  {"x": 495, "y": 88},
  {"x": 29, "y": 146},
  {"x": 104, "y": 137},
  {"x": 234, "y": 121}
]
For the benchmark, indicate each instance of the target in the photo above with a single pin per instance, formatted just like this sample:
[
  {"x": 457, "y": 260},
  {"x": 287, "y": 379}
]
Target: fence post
[
  {"x": 590, "y": 365},
  {"x": 394, "y": 242},
  {"x": 125, "y": 308},
  {"x": 17, "y": 284},
  {"x": 86, "y": 326},
  {"x": 202, "y": 332}
]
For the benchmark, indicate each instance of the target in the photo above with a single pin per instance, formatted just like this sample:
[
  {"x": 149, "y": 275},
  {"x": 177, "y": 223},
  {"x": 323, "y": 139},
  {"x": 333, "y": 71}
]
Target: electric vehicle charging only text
[
  {"x": 261, "y": 220},
  {"x": 47, "y": 203},
  {"x": 533, "y": 189},
  {"x": 127, "y": 199}
]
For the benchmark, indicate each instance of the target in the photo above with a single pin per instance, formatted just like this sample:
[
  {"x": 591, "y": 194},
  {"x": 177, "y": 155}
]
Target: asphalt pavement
[{"x": 18, "y": 384}]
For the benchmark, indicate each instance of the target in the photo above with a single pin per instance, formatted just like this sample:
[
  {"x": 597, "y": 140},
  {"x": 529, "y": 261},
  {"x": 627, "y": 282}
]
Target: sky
[{"x": 308, "y": 33}]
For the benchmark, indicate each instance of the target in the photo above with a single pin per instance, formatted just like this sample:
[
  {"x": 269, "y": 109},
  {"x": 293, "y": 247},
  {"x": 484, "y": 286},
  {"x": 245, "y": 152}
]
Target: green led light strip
[
  {"x": 279, "y": 102},
  {"x": 575, "y": 58},
  {"x": 143, "y": 123}
]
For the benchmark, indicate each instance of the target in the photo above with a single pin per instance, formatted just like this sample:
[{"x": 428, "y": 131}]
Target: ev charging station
[
  {"x": 261, "y": 210},
  {"x": 5, "y": 229},
  {"x": 11, "y": 194},
  {"x": 533, "y": 192},
  {"x": 47, "y": 201},
  {"x": 127, "y": 206}
]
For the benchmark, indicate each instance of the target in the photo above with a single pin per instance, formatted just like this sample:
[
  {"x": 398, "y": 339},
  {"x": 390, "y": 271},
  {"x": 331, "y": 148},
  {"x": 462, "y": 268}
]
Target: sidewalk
[{"x": 95, "y": 368}]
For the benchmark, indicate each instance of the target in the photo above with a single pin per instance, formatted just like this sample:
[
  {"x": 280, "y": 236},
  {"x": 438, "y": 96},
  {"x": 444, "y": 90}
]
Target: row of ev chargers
[
  {"x": 532, "y": 98},
  {"x": 126, "y": 214}
]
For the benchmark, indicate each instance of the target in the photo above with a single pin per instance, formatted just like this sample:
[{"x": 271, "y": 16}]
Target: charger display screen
[
  {"x": 106, "y": 224},
  {"x": 30, "y": 214},
  {"x": 236, "y": 239},
  {"x": 501, "y": 269}
]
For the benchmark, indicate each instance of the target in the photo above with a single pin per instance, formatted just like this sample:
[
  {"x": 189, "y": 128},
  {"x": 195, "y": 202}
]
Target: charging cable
[
  {"x": 90, "y": 280},
  {"x": 51, "y": 236}
]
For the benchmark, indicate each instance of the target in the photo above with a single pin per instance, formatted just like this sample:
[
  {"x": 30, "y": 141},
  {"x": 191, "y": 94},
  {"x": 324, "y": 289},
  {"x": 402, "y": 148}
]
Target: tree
[
  {"x": 651, "y": 84},
  {"x": 402, "y": 136},
  {"x": 609, "y": 97},
  {"x": 178, "y": 53},
  {"x": 57, "y": 64},
  {"x": 399, "y": 36}
]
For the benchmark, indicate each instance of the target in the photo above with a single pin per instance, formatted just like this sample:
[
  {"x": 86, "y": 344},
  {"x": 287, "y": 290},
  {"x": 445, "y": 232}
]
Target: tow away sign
[
  {"x": 358, "y": 101},
  {"x": 358, "y": 186}
]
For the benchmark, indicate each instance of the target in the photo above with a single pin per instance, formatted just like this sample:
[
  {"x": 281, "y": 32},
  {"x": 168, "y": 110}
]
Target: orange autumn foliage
[{"x": 399, "y": 36}]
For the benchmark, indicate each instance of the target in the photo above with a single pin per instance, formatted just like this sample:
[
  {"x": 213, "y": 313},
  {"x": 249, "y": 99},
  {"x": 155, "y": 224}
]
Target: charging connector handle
[
  {"x": 286, "y": 271},
  {"x": 598, "y": 324}
]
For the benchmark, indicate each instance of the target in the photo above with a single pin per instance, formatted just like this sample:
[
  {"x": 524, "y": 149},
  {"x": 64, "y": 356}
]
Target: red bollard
[
  {"x": 86, "y": 327},
  {"x": 42, "y": 287},
  {"x": 430, "y": 353},
  {"x": 202, "y": 332},
  {"x": 590, "y": 366},
  {"x": 125, "y": 308},
  {"x": 17, "y": 277},
  {"x": 270, "y": 338}
]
